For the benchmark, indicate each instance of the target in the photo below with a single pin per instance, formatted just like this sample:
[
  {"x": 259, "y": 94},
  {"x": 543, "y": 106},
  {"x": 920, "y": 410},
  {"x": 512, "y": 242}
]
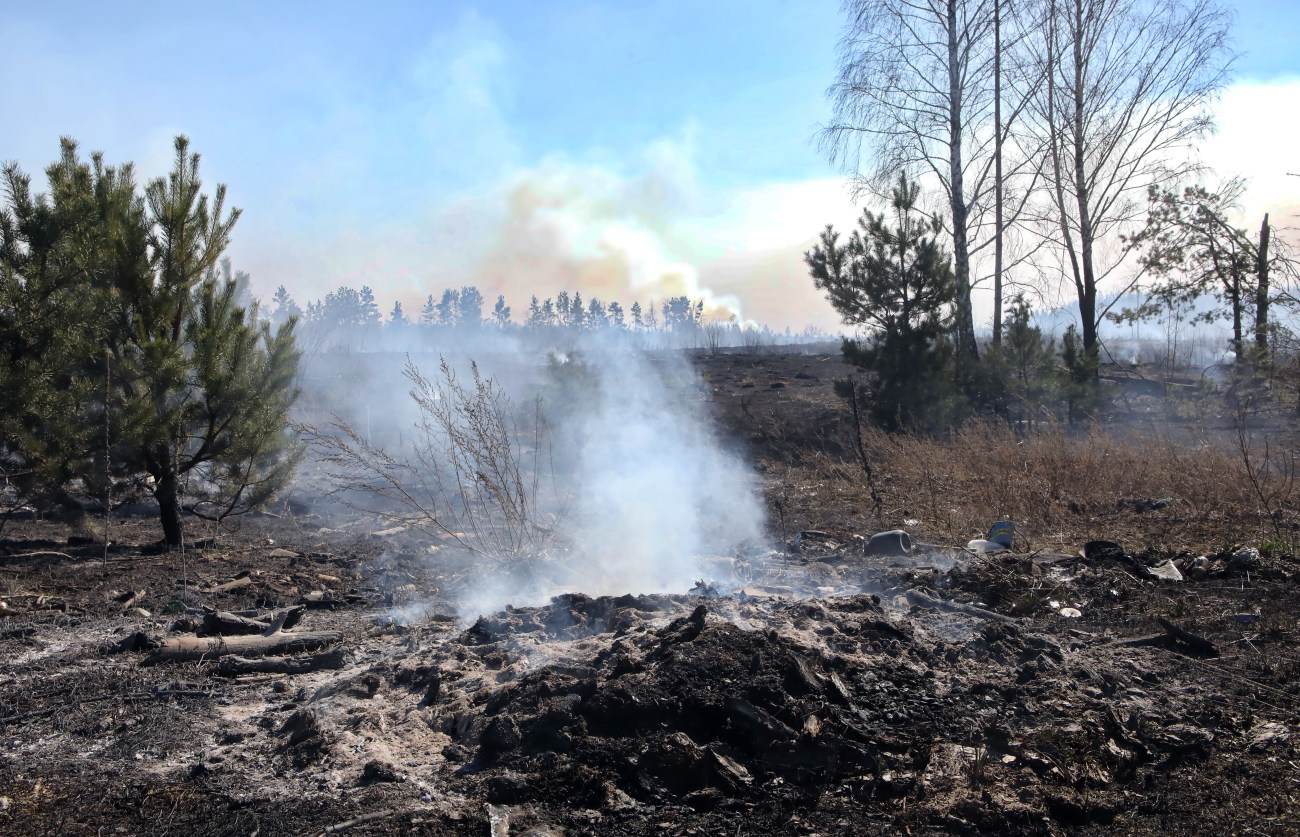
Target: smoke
[
  {"x": 638, "y": 491},
  {"x": 570, "y": 226},
  {"x": 626, "y": 231},
  {"x": 655, "y": 490}
]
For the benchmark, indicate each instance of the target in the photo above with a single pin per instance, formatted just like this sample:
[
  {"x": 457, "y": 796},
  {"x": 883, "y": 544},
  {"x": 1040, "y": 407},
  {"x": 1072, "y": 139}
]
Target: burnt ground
[{"x": 815, "y": 689}]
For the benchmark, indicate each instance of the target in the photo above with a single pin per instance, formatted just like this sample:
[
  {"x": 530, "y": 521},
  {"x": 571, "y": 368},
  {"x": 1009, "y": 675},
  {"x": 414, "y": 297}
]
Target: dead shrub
[{"x": 477, "y": 473}]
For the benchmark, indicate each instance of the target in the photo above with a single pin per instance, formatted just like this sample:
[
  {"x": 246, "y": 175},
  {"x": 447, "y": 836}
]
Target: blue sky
[{"x": 632, "y": 149}]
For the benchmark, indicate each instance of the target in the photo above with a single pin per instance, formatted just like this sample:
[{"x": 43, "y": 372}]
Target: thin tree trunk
[
  {"x": 1058, "y": 176},
  {"x": 960, "y": 246},
  {"x": 1088, "y": 299},
  {"x": 997, "y": 172},
  {"x": 1234, "y": 293},
  {"x": 1261, "y": 290}
]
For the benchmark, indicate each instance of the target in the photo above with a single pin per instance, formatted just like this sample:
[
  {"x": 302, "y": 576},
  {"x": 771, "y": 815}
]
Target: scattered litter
[
  {"x": 1245, "y": 618},
  {"x": 1246, "y": 558},
  {"x": 893, "y": 542},
  {"x": 1166, "y": 571},
  {"x": 1003, "y": 533},
  {"x": 983, "y": 547},
  {"x": 1070, "y": 612}
]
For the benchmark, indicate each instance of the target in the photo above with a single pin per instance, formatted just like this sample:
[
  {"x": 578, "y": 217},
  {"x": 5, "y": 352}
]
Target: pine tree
[
  {"x": 469, "y": 307},
  {"x": 614, "y": 316},
  {"x": 367, "y": 308},
  {"x": 447, "y": 308},
  {"x": 398, "y": 317},
  {"x": 197, "y": 387},
  {"x": 342, "y": 307},
  {"x": 577, "y": 314},
  {"x": 285, "y": 308},
  {"x": 897, "y": 282},
  {"x": 501, "y": 311},
  {"x": 1026, "y": 363},
  {"x": 429, "y": 313},
  {"x": 1085, "y": 394},
  {"x": 596, "y": 313}
]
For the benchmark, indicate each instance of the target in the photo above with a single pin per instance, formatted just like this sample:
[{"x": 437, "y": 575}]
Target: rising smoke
[{"x": 631, "y": 485}]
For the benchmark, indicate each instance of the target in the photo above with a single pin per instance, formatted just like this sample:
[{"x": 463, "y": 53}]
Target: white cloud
[{"x": 1258, "y": 126}]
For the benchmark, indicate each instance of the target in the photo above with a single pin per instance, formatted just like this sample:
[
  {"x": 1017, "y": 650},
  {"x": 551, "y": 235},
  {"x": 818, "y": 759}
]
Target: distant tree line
[
  {"x": 463, "y": 307},
  {"x": 346, "y": 318}
]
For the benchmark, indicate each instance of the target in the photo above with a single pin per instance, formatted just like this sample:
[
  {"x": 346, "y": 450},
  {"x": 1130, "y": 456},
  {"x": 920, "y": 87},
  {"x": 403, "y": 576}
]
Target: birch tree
[
  {"x": 920, "y": 89},
  {"x": 1127, "y": 87}
]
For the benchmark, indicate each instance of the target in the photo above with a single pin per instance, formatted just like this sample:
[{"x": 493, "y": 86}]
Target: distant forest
[{"x": 347, "y": 318}]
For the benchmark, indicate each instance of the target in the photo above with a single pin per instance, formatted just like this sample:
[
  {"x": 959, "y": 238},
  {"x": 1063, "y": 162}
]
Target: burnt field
[{"x": 319, "y": 673}]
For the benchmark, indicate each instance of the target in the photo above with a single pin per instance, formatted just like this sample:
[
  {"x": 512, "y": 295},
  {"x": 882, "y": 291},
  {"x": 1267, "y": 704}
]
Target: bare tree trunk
[
  {"x": 997, "y": 172},
  {"x": 1058, "y": 179},
  {"x": 1261, "y": 290},
  {"x": 1087, "y": 299},
  {"x": 960, "y": 250},
  {"x": 1234, "y": 293}
]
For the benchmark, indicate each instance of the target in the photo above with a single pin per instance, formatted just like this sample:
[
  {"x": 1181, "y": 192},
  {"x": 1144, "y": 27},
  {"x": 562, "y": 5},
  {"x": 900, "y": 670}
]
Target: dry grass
[{"x": 1061, "y": 489}]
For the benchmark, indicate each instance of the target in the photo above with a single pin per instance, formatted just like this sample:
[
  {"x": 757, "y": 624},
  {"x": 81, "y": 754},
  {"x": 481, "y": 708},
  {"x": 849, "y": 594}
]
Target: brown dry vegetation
[
  {"x": 1231, "y": 478},
  {"x": 1060, "y": 488}
]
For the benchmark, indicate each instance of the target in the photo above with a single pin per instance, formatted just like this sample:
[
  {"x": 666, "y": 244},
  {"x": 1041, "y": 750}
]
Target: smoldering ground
[{"x": 591, "y": 467}]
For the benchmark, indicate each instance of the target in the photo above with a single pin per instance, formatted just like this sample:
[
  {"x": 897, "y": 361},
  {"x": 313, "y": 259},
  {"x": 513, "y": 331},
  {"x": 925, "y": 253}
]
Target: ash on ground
[{"x": 833, "y": 693}]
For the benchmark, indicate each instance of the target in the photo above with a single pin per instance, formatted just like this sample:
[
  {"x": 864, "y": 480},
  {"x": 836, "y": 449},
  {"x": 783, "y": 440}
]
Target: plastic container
[
  {"x": 893, "y": 542},
  {"x": 1003, "y": 533}
]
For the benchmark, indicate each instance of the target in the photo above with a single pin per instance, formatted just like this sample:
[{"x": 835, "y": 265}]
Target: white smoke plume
[{"x": 641, "y": 490}]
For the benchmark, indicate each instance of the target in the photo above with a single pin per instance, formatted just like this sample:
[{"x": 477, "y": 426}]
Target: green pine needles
[
  {"x": 118, "y": 311},
  {"x": 896, "y": 281}
]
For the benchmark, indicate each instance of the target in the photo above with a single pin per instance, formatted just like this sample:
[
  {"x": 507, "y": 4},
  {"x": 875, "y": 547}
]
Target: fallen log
[
  {"x": 225, "y": 623},
  {"x": 193, "y": 648},
  {"x": 921, "y": 600},
  {"x": 1193, "y": 641},
  {"x": 233, "y": 666},
  {"x": 284, "y": 620},
  {"x": 228, "y": 586}
]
